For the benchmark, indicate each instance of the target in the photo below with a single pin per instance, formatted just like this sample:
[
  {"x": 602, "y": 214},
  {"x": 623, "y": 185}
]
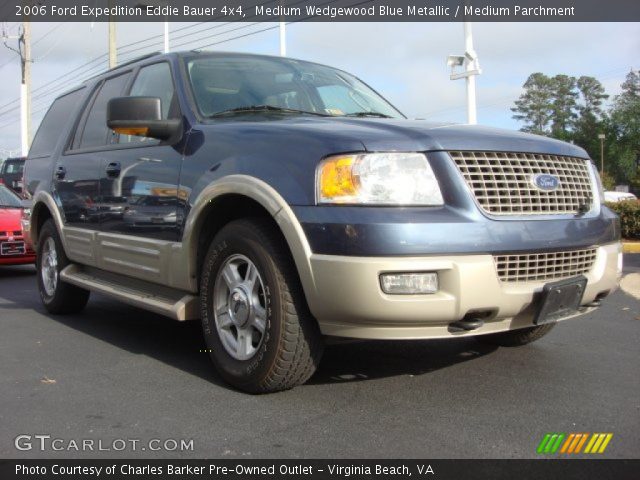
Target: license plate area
[
  {"x": 560, "y": 299},
  {"x": 12, "y": 248}
]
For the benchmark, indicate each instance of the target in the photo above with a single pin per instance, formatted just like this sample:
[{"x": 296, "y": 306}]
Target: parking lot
[{"x": 116, "y": 372}]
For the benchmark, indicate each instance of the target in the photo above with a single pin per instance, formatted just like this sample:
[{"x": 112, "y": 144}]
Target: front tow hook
[{"x": 466, "y": 325}]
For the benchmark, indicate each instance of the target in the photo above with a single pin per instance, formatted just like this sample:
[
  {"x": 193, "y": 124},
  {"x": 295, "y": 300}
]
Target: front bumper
[{"x": 347, "y": 300}]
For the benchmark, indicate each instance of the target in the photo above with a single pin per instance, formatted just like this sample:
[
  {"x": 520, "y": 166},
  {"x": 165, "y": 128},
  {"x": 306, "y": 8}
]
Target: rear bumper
[{"x": 347, "y": 300}]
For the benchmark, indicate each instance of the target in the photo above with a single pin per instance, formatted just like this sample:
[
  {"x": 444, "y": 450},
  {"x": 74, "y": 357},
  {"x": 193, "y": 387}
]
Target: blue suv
[{"x": 281, "y": 201}]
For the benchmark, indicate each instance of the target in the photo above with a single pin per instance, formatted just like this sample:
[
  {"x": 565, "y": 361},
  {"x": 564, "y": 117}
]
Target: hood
[
  {"x": 10, "y": 219},
  {"x": 344, "y": 134}
]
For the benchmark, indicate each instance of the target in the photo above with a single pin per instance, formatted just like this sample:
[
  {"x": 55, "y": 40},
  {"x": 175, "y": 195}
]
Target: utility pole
[
  {"x": 283, "y": 31},
  {"x": 601, "y": 136},
  {"x": 24, "y": 51},
  {"x": 166, "y": 37},
  {"x": 113, "y": 53},
  {"x": 25, "y": 89}
]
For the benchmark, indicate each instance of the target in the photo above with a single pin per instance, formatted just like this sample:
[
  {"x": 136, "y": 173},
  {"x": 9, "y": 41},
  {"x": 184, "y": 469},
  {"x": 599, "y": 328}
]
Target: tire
[
  {"x": 57, "y": 297},
  {"x": 516, "y": 338},
  {"x": 262, "y": 338}
]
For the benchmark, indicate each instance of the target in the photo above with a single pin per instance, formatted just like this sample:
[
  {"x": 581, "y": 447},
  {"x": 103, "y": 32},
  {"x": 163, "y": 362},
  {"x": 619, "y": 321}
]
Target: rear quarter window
[{"x": 61, "y": 111}]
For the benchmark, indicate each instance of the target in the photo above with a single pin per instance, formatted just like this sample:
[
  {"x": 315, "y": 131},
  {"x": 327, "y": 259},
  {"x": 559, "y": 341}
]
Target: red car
[{"x": 13, "y": 248}]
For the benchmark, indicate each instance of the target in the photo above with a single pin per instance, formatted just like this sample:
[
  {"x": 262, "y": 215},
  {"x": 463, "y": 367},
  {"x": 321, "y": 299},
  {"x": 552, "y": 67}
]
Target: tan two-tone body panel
[{"x": 343, "y": 292}]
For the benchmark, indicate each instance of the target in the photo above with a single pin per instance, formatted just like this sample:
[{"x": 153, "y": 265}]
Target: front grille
[
  {"x": 536, "y": 267},
  {"x": 503, "y": 182}
]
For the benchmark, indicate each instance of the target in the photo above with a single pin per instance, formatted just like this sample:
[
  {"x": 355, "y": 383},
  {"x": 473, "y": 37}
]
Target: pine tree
[
  {"x": 590, "y": 120},
  {"x": 564, "y": 106},
  {"x": 625, "y": 119},
  {"x": 533, "y": 108}
]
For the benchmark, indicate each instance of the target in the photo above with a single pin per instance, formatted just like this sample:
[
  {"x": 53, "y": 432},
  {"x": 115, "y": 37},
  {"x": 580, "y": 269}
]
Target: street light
[
  {"x": 471, "y": 65},
  {"x": 601, "y": 136}
]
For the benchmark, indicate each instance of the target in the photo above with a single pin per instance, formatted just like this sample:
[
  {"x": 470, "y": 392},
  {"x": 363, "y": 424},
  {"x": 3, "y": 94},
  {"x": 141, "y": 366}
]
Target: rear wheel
[
  {"x": 256, "y": 323},
  {"x": 516, "y": 338},
  {"x": 58, "y": 297}
]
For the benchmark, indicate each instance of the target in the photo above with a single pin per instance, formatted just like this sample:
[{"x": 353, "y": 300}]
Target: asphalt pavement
[{"x": 117, "y": 374}]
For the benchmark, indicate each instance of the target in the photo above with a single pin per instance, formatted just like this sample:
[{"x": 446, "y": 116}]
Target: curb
[{"x": 631, "y": 247}]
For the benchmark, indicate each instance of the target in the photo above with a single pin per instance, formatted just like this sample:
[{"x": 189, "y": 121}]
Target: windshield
[
  {"x": 13, "y": 166},
  {"x": 222, "y": 84},
  {"x": 8, "y": 198}
]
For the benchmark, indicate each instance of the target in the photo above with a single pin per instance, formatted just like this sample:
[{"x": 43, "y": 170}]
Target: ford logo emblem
[{"x": 545, "y": 182}]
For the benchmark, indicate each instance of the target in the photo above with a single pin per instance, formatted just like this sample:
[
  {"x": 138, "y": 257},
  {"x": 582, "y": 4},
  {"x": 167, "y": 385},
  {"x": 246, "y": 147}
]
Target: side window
[
  {"x": 154, "y": 81},
  {"x": 95, "y": 132},
  {"x": 59, "y": 114}
]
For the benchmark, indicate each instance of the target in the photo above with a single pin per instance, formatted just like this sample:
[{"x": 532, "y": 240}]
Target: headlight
[{"x": 378, "y": 179}]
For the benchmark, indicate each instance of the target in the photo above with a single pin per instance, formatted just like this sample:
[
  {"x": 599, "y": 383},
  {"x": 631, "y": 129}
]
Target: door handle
[
  {"x": 113, "y": 169},
  {"x": 60, "y": 172}
]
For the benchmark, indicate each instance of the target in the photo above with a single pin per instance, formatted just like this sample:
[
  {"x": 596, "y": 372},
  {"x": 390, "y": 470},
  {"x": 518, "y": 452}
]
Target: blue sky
[{"x": 403, "y": 61}]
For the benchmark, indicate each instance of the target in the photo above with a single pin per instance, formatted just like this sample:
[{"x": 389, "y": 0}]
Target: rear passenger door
[{"x": 139, "y": 183}]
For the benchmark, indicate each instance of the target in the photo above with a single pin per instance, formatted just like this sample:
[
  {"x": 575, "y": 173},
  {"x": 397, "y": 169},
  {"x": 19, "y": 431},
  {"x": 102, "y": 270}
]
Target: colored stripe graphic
[
  {"x": 572, "y": 443},
  {"x": 581, "y": 443},
  {"x": 543, "y": 443},
  {"x": 551, "y": 442},
  {"x": 565, "y": 447},
  {"x": 598, "y": 442}
]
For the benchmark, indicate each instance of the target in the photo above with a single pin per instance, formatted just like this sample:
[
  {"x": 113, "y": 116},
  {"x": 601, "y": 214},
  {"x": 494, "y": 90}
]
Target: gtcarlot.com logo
[
  {"x": 573, "y": 443},
  {"x": 45, "y": 443}
]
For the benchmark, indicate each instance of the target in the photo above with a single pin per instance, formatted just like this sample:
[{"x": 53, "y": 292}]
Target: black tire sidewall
[{"x": 235, "y": 239}]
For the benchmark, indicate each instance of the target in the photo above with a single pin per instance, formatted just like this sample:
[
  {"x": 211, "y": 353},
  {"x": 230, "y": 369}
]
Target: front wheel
[
  {"x": 516, "y": 338},
  {"x": 257, "y": 326},
  {"x": 57, "y": 297}
]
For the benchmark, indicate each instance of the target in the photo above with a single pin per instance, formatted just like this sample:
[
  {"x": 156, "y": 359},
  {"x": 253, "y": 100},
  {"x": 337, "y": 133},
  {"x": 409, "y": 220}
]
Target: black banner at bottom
[{"x": 318, "y": 469}]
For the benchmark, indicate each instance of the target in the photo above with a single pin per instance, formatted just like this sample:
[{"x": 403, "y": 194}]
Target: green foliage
[
  {"x": 564, "y": 106},
  {"x": 534, "y": 105},
  {"x": 629, "y": 212},
  {"x": 571, "y": 109},
  {"x": 608, "y": 182}
]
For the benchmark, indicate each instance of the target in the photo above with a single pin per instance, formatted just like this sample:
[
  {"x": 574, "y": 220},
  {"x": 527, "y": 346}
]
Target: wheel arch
[
  {"x": 241, "y": 196},
  {"x": 44, "y": 208}
]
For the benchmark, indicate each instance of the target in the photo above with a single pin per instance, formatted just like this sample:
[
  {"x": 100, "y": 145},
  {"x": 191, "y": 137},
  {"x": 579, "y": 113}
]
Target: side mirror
[{"x": 141, "y": 116}]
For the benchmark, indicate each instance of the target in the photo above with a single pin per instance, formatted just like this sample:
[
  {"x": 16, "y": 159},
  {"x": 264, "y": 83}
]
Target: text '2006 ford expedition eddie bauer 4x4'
[{"x": 282, "y": 201}]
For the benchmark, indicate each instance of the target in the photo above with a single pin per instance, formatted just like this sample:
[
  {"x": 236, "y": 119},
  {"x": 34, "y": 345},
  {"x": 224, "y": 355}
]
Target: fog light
[{"x": 409, "y": 283}]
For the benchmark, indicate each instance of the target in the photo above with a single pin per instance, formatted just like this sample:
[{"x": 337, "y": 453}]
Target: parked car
[
  {"x": 11, "y": 173},
  {"x": 310, "y": 207},
  {"x": 13, "y": 250},
  {"x": 618, "y": 196}
]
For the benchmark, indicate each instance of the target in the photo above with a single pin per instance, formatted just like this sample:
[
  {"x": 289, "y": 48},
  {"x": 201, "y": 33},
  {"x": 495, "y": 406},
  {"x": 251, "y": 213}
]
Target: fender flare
[{"x": 265, "y": 195}]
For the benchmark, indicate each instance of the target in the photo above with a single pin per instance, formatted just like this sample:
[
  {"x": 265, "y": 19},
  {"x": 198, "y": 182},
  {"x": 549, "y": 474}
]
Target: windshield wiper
[
  {"x": 263, "y": 108},
  {"x": 368, "y": 114}
]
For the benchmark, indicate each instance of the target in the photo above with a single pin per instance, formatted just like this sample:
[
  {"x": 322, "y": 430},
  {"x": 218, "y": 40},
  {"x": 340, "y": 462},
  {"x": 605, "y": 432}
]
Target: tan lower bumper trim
[{"x": 347, "y": 299}]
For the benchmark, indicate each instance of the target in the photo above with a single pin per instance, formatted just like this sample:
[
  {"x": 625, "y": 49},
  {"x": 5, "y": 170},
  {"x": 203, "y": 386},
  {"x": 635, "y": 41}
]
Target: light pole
[
  {"x": 601, "y": 136},
  {"x": 471, "y": 66}
]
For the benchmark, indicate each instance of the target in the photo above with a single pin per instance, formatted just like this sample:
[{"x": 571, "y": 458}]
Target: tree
[
  {"x": 563, "y": 106},
  {"x": 592, "y": 95},
  {"x": 534, "y": 105},
  {"x": 590, "y": 120},
  {"x": 625, "y": 124},
  {"x": 572, "y": 109}
]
